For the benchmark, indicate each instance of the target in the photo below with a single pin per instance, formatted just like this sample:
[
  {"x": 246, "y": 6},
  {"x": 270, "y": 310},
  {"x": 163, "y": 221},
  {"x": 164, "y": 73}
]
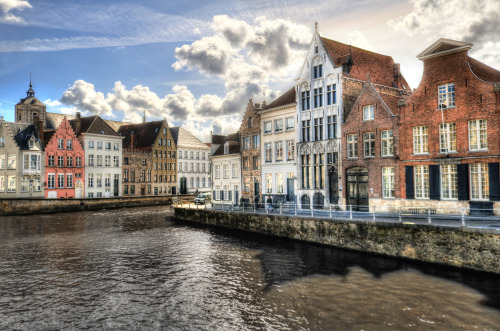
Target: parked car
[{"x": 202, "y": 199}]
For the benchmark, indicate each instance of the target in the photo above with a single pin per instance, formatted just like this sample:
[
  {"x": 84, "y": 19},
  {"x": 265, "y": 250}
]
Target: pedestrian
[{"x": 269, "y": 203}]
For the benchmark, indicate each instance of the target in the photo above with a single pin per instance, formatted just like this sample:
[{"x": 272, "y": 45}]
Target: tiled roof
[
  {"x": 95, "y": 125},
  {"x": 184, "y": 138},
  {"x": 146, "y": 133},
  {"x": 484, "y": 71},
  {"x": 234, "y": 145},
  {"x": 380, "y": 67},
  {"x": 30, "y": 100},
  {"x": 285, "y": 99},
  {"x": 391, "y": 101},
  {"x": 22, "y": 133},
  {"x": 218, "y": 139},
  {"x": 53, "y": 120},
  {"x": 47, "y": 135}
]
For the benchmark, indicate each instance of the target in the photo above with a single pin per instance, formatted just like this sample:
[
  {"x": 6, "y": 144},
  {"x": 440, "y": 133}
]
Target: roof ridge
[{"x": 359, "y": 48}]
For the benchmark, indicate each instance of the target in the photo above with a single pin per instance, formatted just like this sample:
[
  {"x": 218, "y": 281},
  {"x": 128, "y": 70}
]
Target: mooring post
[
  {"x": 330, "y": 211},
  {"x": 295, "y": 209},
  {"x": 400, "y": 214},
  {"x": 429, "y": 214},
  {"x": 374, "y": 207},
  {"x": 281, "y": 210},
  {"x": 254, "y": 208},
  {"x": 350, "y": 212},
  {"x": 312, "y": 210},
  {"x": 463, "y": 216}
]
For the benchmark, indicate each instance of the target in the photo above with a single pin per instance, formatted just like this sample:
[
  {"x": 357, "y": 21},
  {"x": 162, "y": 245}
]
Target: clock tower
[{"x": 30, "y": 107}]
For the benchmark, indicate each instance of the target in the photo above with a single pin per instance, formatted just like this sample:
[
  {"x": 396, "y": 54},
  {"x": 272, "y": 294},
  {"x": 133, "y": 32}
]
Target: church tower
[{"x": 30, "y": 107}]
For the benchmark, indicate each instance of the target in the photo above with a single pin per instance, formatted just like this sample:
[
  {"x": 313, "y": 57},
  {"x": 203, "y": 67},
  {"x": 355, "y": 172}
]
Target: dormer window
[
  {"x": 446, "y": 96},
  {"x": 368, "y": 113},
  {"x": 226, "y": 148},
  {"x": 31, "y": 143},
  {"x": 315, "y": 49}
]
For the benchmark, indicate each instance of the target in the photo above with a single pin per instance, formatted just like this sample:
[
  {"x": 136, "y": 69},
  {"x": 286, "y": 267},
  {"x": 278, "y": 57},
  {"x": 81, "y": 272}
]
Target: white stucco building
[
  {"x": 103, "y": 156},
  {"x": 278, "y": 149},
  {"x": 226, "y": 171},
  {"x": 193, "y": 164}
]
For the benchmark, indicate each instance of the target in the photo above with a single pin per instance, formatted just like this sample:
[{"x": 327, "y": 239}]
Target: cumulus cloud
[
  {"x": 245, "y": 57},
  {"x": 6, "y": 6},
  {"x": 474, "y": 21}
]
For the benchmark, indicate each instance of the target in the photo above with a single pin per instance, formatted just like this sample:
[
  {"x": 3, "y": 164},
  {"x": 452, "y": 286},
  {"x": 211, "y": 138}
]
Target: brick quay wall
[
  {"x": 44, "y": 206},
  {"x": 476, "y": 249}
]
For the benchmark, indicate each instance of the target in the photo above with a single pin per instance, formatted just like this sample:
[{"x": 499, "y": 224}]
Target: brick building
[
  {"x": 64, "y": 163},
  {"x": 250, "y": 154},
  {"x": 450, "y": 132},
  {"x": 370, "y": 147},
  {"x": 329, "y": 83}
]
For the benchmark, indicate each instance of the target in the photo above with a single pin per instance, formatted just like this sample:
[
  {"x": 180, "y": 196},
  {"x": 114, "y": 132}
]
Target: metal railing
[{"x": 464, "y": 217}]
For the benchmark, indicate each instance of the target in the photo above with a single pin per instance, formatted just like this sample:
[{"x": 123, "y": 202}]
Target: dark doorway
[
  {"x": 183, "y": 188},
  {"x": 333, "y": 183},
  {"x": 143, "y": 190},
  {"x": 290, "y": 190},
  {"x": 318, "y": 200},
  {"x": 115, "y": 187},
  {"x": 256, "y": 190},
  {"x": 173, "y": 190},
  {"x": 306, "y": 202},
  {"x": 357, "y": 188}
]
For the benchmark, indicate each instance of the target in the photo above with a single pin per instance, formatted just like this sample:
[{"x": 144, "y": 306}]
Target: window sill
[
  {"x": 421, "y": 154},
  {"x": 451, "y": 152},
  {"x": 387, "y": 156},
  {"x": 478, "y": 150},
  {"x": 369, "y": 157},
  {"x": 352, "y": 158},
  {"x": 389, "y": 198},
  {"x": 444, "y": 108}
]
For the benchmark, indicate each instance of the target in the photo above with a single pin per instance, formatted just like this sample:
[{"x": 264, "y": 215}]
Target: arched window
[{"x": 306, "y": 202}]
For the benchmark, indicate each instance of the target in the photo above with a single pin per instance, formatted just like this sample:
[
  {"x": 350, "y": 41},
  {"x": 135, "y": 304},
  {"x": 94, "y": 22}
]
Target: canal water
[{"x": 137, "y": 269}]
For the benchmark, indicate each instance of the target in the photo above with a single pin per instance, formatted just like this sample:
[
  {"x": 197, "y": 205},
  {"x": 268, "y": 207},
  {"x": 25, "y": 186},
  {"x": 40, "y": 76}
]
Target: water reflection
[{"x": 133, "y": 268}]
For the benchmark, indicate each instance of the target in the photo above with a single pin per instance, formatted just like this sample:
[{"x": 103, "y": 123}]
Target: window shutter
[
  {"x": 463, "y": 181},
  {"x": 222, "y": 194},
  {"x": 494, "y": 181},
  {"x": 230, "y": 195},
  {"x": 434, "y": 182},
  {"x": 410, "y": 192},
  {"x": 214, "y": 196}
]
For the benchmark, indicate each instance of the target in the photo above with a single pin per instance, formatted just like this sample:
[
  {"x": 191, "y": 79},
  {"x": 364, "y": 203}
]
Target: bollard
[
  {"x": 429, "y": 214},
  {"x": 312, "y": 210},
  {"x": 232, "y": 208},
  {"x": 463, "y": 216},
  {"x": 243, "y": 205},
  {"x": 350, "y": 212},
  {"x": 374, "y": 212},
  {"x": 330, "y": 211},
  {"x": 254, "y": 208},
  {"x": 295, "y": 209},
  {"x": 400, "y": 214},
  {"x": 281, "y": 210}
]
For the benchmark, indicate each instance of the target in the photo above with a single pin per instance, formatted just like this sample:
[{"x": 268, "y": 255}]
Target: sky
[{"x": 197, "y": 63}]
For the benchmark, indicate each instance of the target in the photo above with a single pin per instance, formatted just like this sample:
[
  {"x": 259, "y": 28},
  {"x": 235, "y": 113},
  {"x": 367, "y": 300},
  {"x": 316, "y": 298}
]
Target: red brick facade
[
  {"x": 475, "y": 98},
  {"x": 385, "y": 119}
]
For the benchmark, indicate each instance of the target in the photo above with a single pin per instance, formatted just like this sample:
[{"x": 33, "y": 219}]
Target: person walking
[{"x": 269, "y": 203}]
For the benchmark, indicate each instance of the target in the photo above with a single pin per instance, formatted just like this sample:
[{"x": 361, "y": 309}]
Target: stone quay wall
[
  {"x": 476, "y": 249},
  {"x": 43, "y": 206}
]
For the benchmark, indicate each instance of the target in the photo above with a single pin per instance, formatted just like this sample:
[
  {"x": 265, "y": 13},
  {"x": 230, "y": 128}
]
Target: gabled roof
[
  {"x": 380, "y": 67},
  {"x": 285, "y": 99},
  {"x": 146, "y": 133},
  {"x": 443, "y": 46},
  {"x": 53, "y": 120},
  {"x": 95, "y": 125},
  {"x": 22, "y": 134},
  {"x": 388, "y": 101},
  {"x": 484, "y": 71},
  {"x": 184, "y": 138},
  {"x": 30, "y": 101},
  {"x": 234, "y": 145}
]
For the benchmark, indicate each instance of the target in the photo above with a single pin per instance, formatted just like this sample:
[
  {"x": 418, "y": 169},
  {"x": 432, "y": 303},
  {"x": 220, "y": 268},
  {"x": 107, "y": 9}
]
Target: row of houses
[
  {"x": 48, "y": 155},
  {"x": 351, "y": 131}
]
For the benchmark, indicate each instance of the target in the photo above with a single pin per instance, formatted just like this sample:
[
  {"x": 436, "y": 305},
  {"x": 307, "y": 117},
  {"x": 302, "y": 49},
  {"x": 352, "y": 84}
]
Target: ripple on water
[{"x": 131, "y": 268}]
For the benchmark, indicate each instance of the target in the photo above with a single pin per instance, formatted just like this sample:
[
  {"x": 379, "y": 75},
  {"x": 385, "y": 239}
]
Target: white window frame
[
  {"x": 422, "y": 188},
  {"x": 387, "y": 140},
  {"x": 446, "y": 96},
  {"x": 368, "y": 113},
  {"x": 479, "y": 181},
  {"x": 478, "y": 135},
  {"x": 447, "y": 138},
  {"x": 352, "y": 146},
  {"x": 449, "y": 182},
  {"x": 268, "y": 127},
  {"x": 369, "y": 144},
  {"x": 420, "y": 140},
  {"x": 388, "y": 183}
]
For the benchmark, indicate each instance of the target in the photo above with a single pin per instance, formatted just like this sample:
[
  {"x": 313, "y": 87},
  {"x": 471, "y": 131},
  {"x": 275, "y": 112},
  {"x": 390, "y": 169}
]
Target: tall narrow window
[
  {"x": 318, "y": 97},
  {"x": 268, "y": 127},
  {"x": 331, "y": 94},
  {"x": 290, "y": 124},
  {"x": 388, "y": 182},
  {"x": 269, "y": 183},
  {"x": 352, "y": 146},
  {"x": 446, "y": 97},
  {"x": 225, "y": 171},
  {"x": 69, "y": 144},
  {"x": 480, "y": 189},
  {"x": 60, "y": 143},
  {"x": 269, "y": 152},
  {"x": 306, "y": 100},
  {"x": 318, "y": 128},
  {"x": 306, "y": 171},
  {"x": 420, "y": 142},
  {"x": 369, "y": 144},
  {"x": 447, "y": 138},
  {"x": 279, "y": 183},
  {"x": 449, "y": 181},
  {"x": 478, "y": 136},
  {"x": 318, "y": 71},
  {"x": 246, "y": 142},
  {"x": 422, "y": 182},
  {"x": 387, "y": 143},
  {"x": 278, "y": 126},
  {"x": 332, "y": 126},
  {"x": 318, "y": 164},
  {"x": 306, "y": 129},
  {"x": 290, "y": 150},
  {"x": 278, "y": 149}
]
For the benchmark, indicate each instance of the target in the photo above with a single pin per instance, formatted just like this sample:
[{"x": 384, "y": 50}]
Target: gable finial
[
  {"x": 144, "y": 116},
  {"x": 30, "y": 80},
  {"x": 316, "y": 26}
]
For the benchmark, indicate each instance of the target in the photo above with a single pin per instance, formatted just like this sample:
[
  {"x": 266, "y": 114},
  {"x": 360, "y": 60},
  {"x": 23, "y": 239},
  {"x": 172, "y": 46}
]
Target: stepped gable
[
  {"x": 285, "y": 99},
  {"x": 484, "y": 71},
  {"x": 146, "y": 133},
  {"x": 183, "y": 137},
  {"x": 380, "y": 67},
  {"x": 234, "y": 146}
]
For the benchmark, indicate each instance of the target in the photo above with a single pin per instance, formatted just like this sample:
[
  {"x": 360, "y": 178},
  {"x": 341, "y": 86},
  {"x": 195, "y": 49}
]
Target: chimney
[
  {"x": 397, "y": 73},
  {"x": 132, "y": 139},
  {"x": 78, "y": 123},
  {"x": 263, "y": 103}
]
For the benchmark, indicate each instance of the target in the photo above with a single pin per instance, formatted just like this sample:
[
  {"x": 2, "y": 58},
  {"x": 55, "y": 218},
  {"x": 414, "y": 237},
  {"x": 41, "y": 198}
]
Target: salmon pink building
[{"x": 64, "y": 167}]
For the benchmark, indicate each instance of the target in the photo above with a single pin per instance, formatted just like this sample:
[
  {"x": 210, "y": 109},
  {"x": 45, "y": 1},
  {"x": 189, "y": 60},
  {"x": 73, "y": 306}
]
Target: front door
[
  {"x": 333, "y": 183},
  {"x": 357, "y": 188},
  {"x": 236, "y": 195},
  {"x": 78, "y": 189},
  {"x": 183, "y": 188},
  {"x": 116, "y": 193},
  {"x": 290, "y": 190},
  {"x": 256, "y": 191},
  {"x": 173, "y": 190}
]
